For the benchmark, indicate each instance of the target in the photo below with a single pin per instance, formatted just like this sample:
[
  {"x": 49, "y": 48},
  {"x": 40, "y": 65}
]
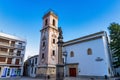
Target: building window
[
  {"x": 8, "y": 72},
  {"x": 43, "y": 44},
  {"x": 2, "y": 59},
  {"x": 35, "y": 60},
  {"x": 89, "y": 51},
  {"x": 53, "y": 22},
  {"x": 18, "y": 53},
  {"x": 9, "y": 61},
  {"x": 17, "y": 61},
  {"x": 53, "y": 41},
  {"x": 43, "y": 55},
  {"x": 53, "y": 52},
  {"x": 35, "y": 71},
  {"x": 71, "y": 54},
  {"x": 3, "y": 49},
  {"x": 32, "y": 70},
  {"x": 46, "y": 22}
]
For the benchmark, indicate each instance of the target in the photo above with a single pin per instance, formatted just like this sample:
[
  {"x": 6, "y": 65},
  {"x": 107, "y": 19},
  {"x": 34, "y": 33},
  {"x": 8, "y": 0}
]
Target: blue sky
[{"x": 77, "y": 18}]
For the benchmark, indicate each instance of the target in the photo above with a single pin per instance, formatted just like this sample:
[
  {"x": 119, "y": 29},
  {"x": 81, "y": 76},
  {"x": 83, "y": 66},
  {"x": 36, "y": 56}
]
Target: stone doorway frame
[{"x": 71, "y": 65}]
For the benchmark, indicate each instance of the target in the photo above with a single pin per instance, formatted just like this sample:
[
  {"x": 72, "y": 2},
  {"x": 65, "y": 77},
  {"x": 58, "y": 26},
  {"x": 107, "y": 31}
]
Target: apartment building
[{"x": 12, "y": 51}]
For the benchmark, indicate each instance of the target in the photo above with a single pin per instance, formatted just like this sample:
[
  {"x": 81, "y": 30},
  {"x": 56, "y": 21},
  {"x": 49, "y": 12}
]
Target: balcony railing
[
  {"x": 19, "y": 46},
  {"x": 15, "y": 54},
  {"x": 3, "y": 53},
  {"x": 12, "y": 45},
  {"x": 4, "y": 44}
]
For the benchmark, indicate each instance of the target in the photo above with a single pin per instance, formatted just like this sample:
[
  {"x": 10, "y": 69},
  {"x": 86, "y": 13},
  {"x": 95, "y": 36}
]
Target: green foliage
[{"x": 114, "y": 30}]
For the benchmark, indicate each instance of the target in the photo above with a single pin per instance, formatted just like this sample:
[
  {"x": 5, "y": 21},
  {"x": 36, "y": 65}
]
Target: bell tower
[{"x": 48, "y": 53}]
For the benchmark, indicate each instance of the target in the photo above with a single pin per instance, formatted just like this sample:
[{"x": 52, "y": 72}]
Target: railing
[
  {"x": 4, "y": 44},
  {"x": 15, "y": 54},
  {"x": 19, "y": 46},
  {"x": 3, "y": 53},
  {"x": 11, "y": 53},
  {"x": 12, "y": 45}
]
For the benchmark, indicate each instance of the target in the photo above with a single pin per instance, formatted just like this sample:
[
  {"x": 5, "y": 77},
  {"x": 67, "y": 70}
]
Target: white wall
[
  {"x": 87, "y": 63},
  {"x": 30, "y": 73}
]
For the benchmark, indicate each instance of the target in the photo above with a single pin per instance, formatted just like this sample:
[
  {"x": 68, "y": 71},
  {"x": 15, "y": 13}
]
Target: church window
[
  {"x": 54, "y": 41},
  {"x": 53, "y": 52},
  {"x": 89, "y": 51},
  {"x": 43, "y": 55},
  {"x": 53, "y": 22},
  {"x": 46, "y": 22},
  {"x": 71, "y": 54}
]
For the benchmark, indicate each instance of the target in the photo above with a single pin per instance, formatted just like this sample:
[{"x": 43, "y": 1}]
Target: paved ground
[
  {"x": 24, "y": 78},
  {"x": 28, "y": 78}
]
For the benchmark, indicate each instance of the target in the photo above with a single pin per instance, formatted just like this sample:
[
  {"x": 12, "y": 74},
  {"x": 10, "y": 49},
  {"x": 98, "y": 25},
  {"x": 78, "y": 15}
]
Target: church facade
[
  {"x": 88, "y": 56},
  {"x": 85, "y": 56}
]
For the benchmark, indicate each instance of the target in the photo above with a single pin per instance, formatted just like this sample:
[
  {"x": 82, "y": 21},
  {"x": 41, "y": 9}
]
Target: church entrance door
[{"x": 72, "y": 72}]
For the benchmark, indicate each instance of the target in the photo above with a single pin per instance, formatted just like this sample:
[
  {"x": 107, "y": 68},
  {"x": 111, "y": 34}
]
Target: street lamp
[{"x": 65, "y": 55}]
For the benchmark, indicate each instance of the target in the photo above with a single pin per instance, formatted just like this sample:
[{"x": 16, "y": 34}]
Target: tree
[{"x": 114, "y": 30}]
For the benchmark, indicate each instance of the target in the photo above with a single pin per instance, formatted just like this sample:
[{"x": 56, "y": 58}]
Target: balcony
[
  {"x": 12, "y": 54},
  {"x": 4, "y": 44},
  {"x": 19, "y": 46},
  {"x": 16, "y": 54},
  {"x": 3, "y": 53}
]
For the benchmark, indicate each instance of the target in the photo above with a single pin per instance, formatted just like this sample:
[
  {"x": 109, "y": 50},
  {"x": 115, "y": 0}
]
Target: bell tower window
[
  {"x": 53, "y": 22},
  {"x": 43, "y": 44},
  {"x": 53, "y": 53},
  {"x": 46, "y": 22},
  {"x": 42, "y": 55},
  {"x": 53, "y": 41}
]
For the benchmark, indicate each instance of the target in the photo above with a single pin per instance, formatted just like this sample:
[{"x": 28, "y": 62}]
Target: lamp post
[{"x": 65, "y": 55}]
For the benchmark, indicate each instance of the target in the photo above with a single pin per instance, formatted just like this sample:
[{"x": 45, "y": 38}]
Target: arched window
[
  {"x": 53, "y": 53},
  {"x": 53, "y": 41},
  {"x": 43, "y": 44},
  {"x": 53, "y": 22},
  {"x": 43, "y": 55},
  {"x": 89, "y": 51},
  {"x": 46, "y": 22},
  {"x": 71, "y": 54}
]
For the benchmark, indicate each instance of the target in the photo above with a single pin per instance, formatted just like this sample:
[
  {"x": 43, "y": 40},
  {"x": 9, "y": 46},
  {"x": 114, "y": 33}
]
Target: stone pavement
[
  {"x": 68, "y": 78},
  {"x": 73, "y": 78},
  {"x": 24, "y": 78}
]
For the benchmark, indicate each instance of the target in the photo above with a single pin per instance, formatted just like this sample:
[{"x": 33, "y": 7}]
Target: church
[{"x": 85, "y": 56}]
